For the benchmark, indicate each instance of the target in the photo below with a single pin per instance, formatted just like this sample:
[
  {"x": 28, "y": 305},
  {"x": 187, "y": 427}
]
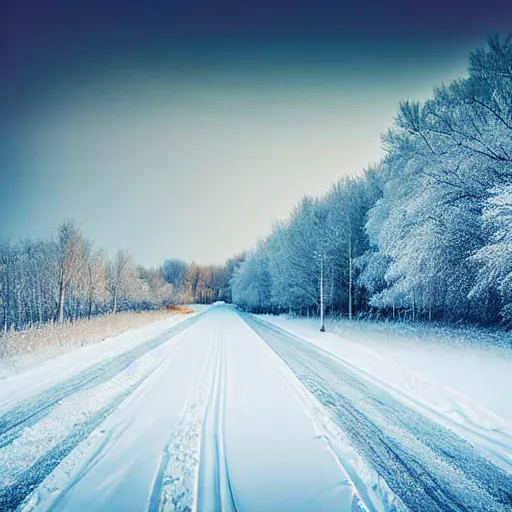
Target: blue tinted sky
[{"x": 186, "y": 130}]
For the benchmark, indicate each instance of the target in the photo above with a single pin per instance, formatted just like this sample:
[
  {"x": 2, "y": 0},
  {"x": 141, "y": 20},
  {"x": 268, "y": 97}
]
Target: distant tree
[
  {"x": 121, "y": 277},
  {"x": 175, "y": 272},
  {"x": 251, "y": 285},
  {"x": 70, "y": 252},
  {"x": 97, "y": 279},
  {"x": 7, "y": 255}
]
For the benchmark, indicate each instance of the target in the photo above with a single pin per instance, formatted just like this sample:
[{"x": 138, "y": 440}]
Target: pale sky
[{"x": 193, "y": 152}]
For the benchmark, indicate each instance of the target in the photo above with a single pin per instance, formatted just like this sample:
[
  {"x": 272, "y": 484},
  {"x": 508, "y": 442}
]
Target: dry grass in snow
[{"x": 26, "y": 348}]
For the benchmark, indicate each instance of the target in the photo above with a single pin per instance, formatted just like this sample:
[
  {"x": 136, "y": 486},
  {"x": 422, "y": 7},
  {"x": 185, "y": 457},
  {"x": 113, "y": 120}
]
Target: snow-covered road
[{"x": 225, "y": 412}]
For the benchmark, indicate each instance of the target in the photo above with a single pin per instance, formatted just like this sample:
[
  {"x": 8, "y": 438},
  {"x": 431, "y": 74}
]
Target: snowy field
[
  {"x": 474, "y": 362},
  {"x": 223, "y": 411}
]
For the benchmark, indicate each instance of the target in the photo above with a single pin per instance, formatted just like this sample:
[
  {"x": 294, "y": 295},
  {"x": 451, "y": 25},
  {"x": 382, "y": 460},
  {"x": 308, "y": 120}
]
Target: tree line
[
  {"x": 67, "y": 278},
  {"x": 200, "y": 284},
  {"x": 424, "y": 234}
]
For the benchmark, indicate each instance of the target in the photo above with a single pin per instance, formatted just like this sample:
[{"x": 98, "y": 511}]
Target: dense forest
[
  {"x": 66, "y": 278},
  {"x": 424, "y": 234}
]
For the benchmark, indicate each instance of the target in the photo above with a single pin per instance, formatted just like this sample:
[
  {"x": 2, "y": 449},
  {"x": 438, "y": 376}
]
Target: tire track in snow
[
  {"x": 13, "y": 495},
  {"x": 33, "y": 410},
  {"x": 175, "y": 485},
  {"x": 426, "y": 465},
  {"x": 371, "y": 493},
  {"x": 193, "y": 472},
  {"x": 215, "y": 492}
]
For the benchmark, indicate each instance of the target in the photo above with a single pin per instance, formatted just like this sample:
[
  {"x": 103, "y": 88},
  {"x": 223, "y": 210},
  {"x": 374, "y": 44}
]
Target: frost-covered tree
[
  {"x": 348, "y": 203},
  {"x": 495, "y": 257},
  {"x": 297, "y": 257},
  {"x": 444, "y": 159},
  {"x": 251, "y": 284},
  {"x": 122, "y": 276},
  {"x": 70, "y": 256},
  {"x": 68, "y": 278},
  {"x": 175, "y": 272},
  {"x": 97, "y": 294},
  {"x": 422, "y": 234}
]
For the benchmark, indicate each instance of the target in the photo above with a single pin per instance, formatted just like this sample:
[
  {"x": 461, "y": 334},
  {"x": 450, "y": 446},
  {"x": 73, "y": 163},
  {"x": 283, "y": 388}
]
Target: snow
[
  {"x": 394, "y": 437},
  {"x": 221, "y": 413},
  {"x": 115, "y": 469},
  {"x": 482, "y": 373},
  {"x": 450, "y": 375},
  {"x": 14, "y": 387},
  {"x": 210, "y": 410},
  {"x": 277, "y": 460}
]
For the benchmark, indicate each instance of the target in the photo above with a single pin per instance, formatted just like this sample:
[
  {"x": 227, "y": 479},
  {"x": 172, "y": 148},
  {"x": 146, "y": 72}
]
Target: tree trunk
[
  {"x": 322, "y": 305},
  {"x": 331, "y": 302},
  {"x": 19, "y": 310},
  {"x": 350, "y": 277},
  {"x": 40, "y": 307},
  {"x": 33, "y": 306},
  {"x": 114, "y": 309},
  {"x": 60, "y": 309},
  {"x": 77, "y": 308},
  {"x": 6, "y": 321}
]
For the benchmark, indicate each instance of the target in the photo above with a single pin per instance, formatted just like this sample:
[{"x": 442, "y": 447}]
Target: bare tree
[
  {"x": 97, "y": 283},
  {"x": 120, "y": 270},
  {"x": 70, "y": 247}
]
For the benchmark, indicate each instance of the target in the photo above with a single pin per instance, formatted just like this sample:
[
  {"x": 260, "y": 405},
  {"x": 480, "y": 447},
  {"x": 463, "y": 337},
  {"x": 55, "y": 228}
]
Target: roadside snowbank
[
  {"x": 22, "y": 350},
  {"x": 14, "y": 386},
  {"x": 463, "y": 385}
]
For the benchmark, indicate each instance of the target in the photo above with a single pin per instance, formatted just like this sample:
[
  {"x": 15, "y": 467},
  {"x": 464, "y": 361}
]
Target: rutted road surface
[{"x": 224, "y": 412}]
